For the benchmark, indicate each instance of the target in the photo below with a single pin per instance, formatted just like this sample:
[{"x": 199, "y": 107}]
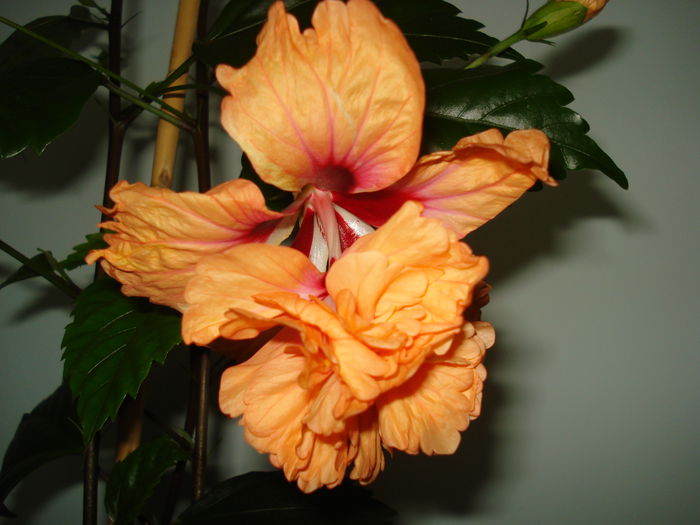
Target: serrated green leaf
[
  {"x": 134, "y": 479},
  {"x": 20, "y": 49},
  {"x": 433, "y": 29},
  {"x": 464, "y": 102},
  {"x": 275, "y": 198},
  {"x": 48, "y": 432},
  {"x": 262, "y": 498},
  {"x": 41, "y": 100},
  {"x": 110, "y": 347},
  {"x": 75, "y": 259},
  {"x": 436, "y": 32}
]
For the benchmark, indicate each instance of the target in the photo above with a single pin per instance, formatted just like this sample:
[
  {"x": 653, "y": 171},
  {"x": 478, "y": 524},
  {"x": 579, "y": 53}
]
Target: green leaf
[
  {"x": 134, "y": 479},
  {"x": 39, "y": 261},
  {"x": 239, "y": 25},
  {"x": 275, "y": 198},
  {"x": 433, "y": 29},
  {"x": 258, "y": 498},
  {"x": 19, "y": 49},
  {"x": 95, "y": 241},
  {"x": 48, "y": 432},
  {"x": 109, "y": 349},
  {"x": 44, "y": 261},
  {"x": 436, "y": 32},
  {"x": 41, "y": 100},
  {"x": 464, "y": 102}
]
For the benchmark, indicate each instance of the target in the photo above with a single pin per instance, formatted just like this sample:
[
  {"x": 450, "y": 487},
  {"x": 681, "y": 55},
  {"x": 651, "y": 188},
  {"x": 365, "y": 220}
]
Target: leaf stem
[
  {"x": 496, "y": 49},
  {"x": 69, "y": 288},
  {"x": 172, "y": 118}
]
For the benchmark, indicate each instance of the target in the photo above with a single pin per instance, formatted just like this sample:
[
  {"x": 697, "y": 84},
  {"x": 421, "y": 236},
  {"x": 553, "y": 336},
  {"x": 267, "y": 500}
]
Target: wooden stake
[
  {"x": 130, "y": 420},
  {"x": 168, "y": 135}
]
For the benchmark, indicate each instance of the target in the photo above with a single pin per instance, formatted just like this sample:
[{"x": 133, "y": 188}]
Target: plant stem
[
  {"x": 176, "y": 477},
  {"x": 99, "y": 67},
  {"x": 496, "y": 49},
  {"x": 91, "y": 469},
  {"x": 202, "y": 356},
  {"x": 66, "y": 287},
  {"x": 115, "y": 130}
]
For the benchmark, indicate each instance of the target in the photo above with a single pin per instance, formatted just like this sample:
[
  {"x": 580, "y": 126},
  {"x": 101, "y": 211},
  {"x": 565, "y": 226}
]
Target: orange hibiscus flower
[{"x": 375, "y": 352}]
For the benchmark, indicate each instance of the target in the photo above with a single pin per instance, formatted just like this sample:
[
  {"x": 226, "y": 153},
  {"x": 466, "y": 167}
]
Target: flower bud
[
  {"x": 559, "y": 16},
  {"x": 593, "y": 6}
]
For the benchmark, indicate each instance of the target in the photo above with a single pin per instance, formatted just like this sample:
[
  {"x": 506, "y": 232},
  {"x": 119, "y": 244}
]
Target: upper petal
[
  {"x": 159, "y": 235},
  {"x": 338, "y": 106},
  {"x": 465, "y": 187}
]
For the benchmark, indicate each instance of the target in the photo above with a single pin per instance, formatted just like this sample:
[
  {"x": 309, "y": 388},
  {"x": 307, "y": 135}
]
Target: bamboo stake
[
  {"x": 168, "y": 135},
  {"x": 130, "y": 422}
]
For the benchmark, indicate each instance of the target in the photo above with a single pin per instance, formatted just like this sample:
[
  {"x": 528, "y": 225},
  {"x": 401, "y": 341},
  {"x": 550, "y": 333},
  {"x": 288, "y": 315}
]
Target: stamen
[{"x": 325, "y": 213}]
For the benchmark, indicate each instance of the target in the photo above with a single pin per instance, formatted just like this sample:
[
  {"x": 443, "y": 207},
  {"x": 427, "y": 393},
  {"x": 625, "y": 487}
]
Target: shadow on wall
[
  {"x": 62, "y": 164},
  {"x": 581, "y": 51},
  {"x": 516, "y": 239},
  {"x": 534, "y": 226}
]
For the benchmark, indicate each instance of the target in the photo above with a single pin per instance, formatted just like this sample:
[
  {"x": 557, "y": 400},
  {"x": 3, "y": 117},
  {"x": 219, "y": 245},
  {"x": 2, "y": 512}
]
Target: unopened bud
[
  {"x": 593, "y": 6},
  {"x": 559, "y": 16}
]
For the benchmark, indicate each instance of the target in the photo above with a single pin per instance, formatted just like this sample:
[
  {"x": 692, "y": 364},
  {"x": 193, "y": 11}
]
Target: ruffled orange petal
[
  {"x": 338, "y": 106},
  {"x": 369, "y": 461},
  {"x": 225, "y": 283},
  {"x": 398, "y": 293},
  {"x": 465, "y": 187},
  {"x": 265, "y": 390},
  {"x": 159, "y": 235},
  {"x": 430, "y": 268},
  {"x": 427, "y": 412}
]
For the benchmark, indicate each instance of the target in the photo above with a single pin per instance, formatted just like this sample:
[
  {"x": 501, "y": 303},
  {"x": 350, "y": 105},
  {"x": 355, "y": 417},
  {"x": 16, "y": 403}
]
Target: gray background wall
[{"x": 591, "y": 407}]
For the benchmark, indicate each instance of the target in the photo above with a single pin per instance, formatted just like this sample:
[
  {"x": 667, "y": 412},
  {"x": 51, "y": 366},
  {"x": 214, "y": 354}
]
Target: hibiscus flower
[{"x": 375, "y": 350}]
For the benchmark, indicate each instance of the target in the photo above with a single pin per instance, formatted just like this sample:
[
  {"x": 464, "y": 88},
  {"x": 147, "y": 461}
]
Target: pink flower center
[{"x": 334, "y": 178}]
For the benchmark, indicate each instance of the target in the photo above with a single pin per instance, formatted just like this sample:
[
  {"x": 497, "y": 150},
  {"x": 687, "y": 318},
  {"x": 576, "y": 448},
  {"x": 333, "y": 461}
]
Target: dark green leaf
[
  {"x": 464, "y": 102},
  {"x": 261, "y": 498},
  {"x": 39, "y": 101},
  {"x": 433, "y": 29},
  {"x": 133, "y": 480},
  {"x": 48, "y": 432},
  {"x": 42, "y": 261},
  {"x": 238, "y": 27},
  {"x": 275, "y": 198},
  {"x": 435, "y": 32},
  {"x": 76, "y": 258},
  {"x": 39, "y": 261},
  {"x": 109, "y": 349},
  {"x": 20, "y": 49}
]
